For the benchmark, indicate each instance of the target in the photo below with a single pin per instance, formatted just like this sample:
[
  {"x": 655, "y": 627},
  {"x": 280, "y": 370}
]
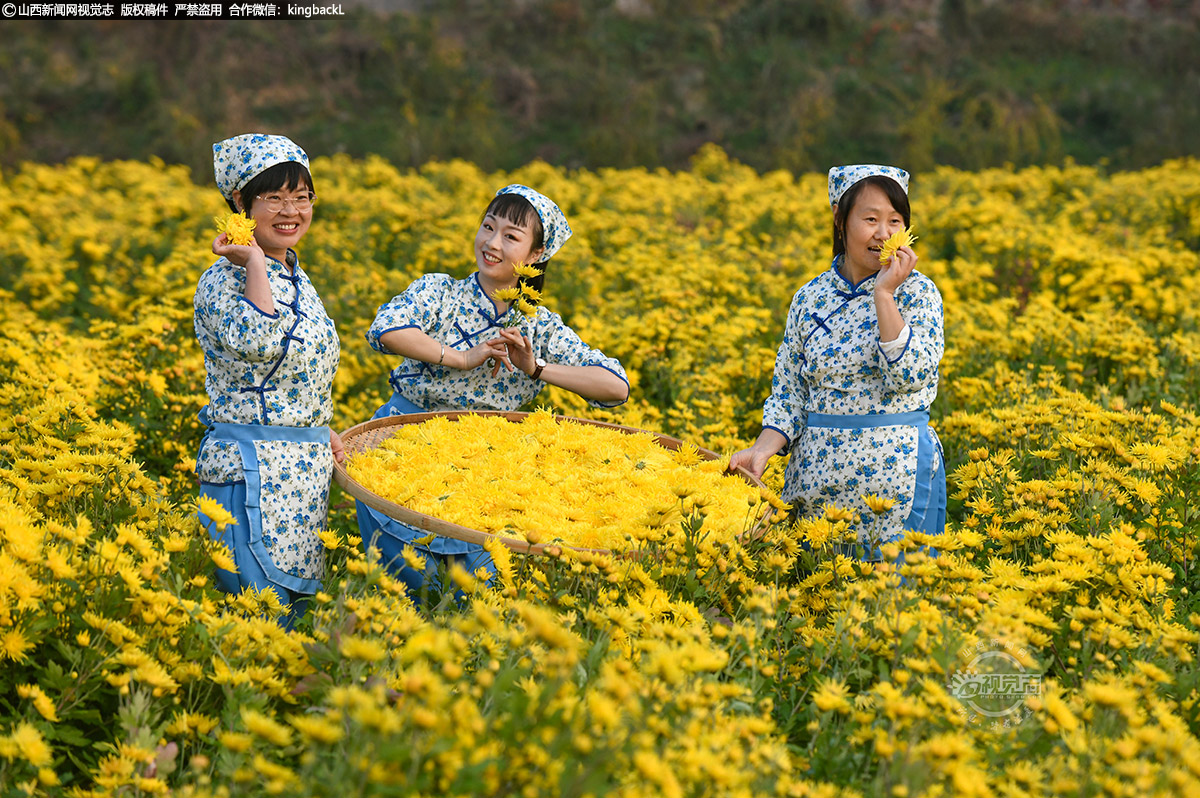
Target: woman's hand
[
  {"x": 478, "y": 354},
  {"x": 239, "y": 254},
  {"x": 896, "y": 270},
  {"x": 520, "y": 351},
  {"x": 251, "y": 258},
  {"x": 754, "y": 459},
  {"x": 335, "y": 443},
  {"x": 751, "y": 459}
]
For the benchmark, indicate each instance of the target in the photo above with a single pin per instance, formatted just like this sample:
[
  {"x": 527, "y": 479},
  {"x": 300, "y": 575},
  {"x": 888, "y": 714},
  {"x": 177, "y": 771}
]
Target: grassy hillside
[{"x": 592, "y": 83}]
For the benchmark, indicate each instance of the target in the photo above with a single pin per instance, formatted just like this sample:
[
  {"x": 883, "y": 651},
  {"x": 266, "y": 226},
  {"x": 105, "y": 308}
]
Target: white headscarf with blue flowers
[
  {"x": 555, "y": 230},
  {"x": 238, "y": 160},
  {"x": 842, "y": 178}
]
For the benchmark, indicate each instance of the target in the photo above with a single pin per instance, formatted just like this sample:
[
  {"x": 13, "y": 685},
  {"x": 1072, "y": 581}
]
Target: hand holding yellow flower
[
  {"x": 900, "y": 238},
  {"x": 237, "y": 227}
]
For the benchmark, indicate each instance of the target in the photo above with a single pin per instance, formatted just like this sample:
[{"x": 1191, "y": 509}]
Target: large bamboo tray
[{"x": 371, "y": 434}]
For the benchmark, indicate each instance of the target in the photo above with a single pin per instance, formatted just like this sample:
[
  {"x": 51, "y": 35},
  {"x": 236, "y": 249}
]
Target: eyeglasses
[{"x": 275, "y": 203}]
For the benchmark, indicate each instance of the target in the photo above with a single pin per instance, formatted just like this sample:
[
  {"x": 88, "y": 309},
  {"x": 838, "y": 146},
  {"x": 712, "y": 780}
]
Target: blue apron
[
  {"x": 244, "y": 436},
  {"x": 390, "y": 537},
  {"x": 928, "y": 512}
]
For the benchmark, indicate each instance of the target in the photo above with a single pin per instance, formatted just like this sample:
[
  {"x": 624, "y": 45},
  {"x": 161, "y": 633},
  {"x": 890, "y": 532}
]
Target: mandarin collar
[
  {"x": 288, "y": 269},
  {"x": 486, "y": 304},
  {"x": 843, "y": 278}
]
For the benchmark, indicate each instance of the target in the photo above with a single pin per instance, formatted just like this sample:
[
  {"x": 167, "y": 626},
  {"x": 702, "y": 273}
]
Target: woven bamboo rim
[{"x": 370, "y": 434}]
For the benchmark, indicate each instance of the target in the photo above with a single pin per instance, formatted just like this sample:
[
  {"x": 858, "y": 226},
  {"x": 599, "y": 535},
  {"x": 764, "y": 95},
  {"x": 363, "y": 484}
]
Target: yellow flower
[
  {"x": 267, "y": 728},
  {"x": 13, "y": 645},
  {"x": 41, "y": 701},
  {"x": 30, "y": 745},
  {"x": 366, "y": 649},
  {"x": 1060, "y": 712},
  {"x": 526, "y": 270},
  {"x": 238, "y": 742},
  {"x": 186, "y": 723},
  {"x": 687, "y": 455},
  {"x": 216, "y": 513},
  {"x": 832, "y": 695},
  {"x": 835, "y": 513},
  {"x": 531, "y": 293},
  {"x": 412, "y": 559},
  {"x": 878, "y": 505},
  {"x": 465, "y": 581},
  {"x": 526, "y": 307},
  {"x": 900, "y": 238},
  {"x": 222, "y": 557},
  {"x": 318, "y": 729},
  {"x": 237, "y": 227},
  {"x": 507, "y": 294}
]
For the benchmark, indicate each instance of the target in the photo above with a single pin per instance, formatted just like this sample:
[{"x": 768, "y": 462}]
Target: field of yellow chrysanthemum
[{"x": 766, "y": 666}]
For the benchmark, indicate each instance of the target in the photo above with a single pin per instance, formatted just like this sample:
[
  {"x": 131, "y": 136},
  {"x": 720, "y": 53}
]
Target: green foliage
[{"x": 777, "y": 83}]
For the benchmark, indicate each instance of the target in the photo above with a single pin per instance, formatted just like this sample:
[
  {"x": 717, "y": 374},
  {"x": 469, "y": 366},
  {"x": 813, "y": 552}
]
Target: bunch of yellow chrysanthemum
[{"x": 522, "y": 296}]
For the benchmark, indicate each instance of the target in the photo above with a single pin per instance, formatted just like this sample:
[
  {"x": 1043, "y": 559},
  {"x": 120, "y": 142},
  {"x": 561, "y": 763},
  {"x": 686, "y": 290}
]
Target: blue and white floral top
[
  {"x": 273, "y": 370},
  {"x": 460, "y": 315},
  {"x": 831, "y": 362}
]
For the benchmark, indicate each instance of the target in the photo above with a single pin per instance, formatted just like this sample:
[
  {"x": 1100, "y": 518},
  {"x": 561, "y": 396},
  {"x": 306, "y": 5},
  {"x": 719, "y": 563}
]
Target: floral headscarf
[
  {"x": 555, "y": 230},
  {"x": 842, "y": 178},
  {"x": 238, "y": 160}
]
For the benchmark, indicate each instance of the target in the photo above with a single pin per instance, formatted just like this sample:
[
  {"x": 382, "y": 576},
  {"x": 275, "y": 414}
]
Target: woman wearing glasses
[{"x": 270, "y": 353}]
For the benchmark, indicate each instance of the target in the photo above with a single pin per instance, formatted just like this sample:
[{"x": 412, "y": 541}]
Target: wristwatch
[{"x": 539, "y": 364}]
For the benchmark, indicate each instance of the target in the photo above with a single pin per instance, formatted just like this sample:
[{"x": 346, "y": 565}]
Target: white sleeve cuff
[{"x": 893, "y": 349}]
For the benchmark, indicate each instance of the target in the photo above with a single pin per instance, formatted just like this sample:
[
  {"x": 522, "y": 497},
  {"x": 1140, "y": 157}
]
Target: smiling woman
[
  {"x": 280, "y": 201},
  {"x": 447, "y": 330},
  {"x": 857, "y": 371},
  {"x": 270, "y": 354}
]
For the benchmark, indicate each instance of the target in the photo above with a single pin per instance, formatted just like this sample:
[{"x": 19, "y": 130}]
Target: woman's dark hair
[
  {"x": 895, "y": 195},
  {"x": 288, "y": 173},
  {"x": 518, "y": 210}
]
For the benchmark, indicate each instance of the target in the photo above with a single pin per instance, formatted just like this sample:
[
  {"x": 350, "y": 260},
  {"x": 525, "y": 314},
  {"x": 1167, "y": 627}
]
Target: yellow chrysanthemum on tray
[
  {"x": 900, "y": 238},
  {"x": 238, "y": 227},
  {"x": 544, "y": 478}
]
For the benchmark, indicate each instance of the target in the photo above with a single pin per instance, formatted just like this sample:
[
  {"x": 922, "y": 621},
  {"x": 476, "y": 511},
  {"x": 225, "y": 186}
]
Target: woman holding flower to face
[
  {"x": 483, "y": 343},
  {"x": 857, "y": 370},
  {"x": 270, "y": 353}
]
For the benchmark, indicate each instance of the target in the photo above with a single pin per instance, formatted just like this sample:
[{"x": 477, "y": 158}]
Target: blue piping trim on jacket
[
  {"x": 262, "y": 312},
  {"x": 628, "y": 390},
  {"x": 907, "y": 344},
  {"x": 787, "y": 441},
  {"x": 377, "y": 344},
  {"x": 288, "y": 337},
  {"x": 495, "y": 308},
  {"x": 853, "y": 286}
]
